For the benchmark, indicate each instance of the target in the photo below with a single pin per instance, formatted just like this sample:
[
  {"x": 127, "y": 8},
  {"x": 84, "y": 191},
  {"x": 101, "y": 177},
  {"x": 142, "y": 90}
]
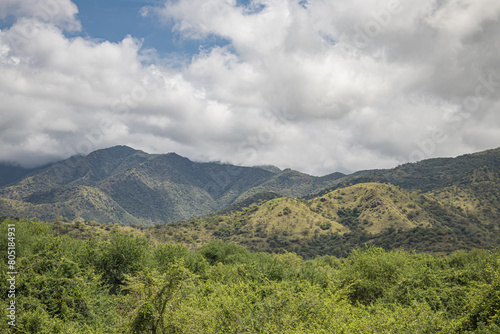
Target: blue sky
[
  {"x": 318, "y": 86},
  {"x": 112, "y": 20}
]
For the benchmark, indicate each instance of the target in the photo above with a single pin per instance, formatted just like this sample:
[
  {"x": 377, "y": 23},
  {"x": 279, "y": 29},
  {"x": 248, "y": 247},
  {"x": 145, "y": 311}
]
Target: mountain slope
[
  {"x": 372, "y": 207},
  {"x": 294, "y": 184},
  {"x": 10, "y": 174},
  {"x": 438, "y": 205},
  {"x": 336, "y": 222},
  {"x": 68, "y": 201},
  {"x": 430, "y": 174},
  {"x": 77, "y": 170},
  {"x": 146, "y": 189}
]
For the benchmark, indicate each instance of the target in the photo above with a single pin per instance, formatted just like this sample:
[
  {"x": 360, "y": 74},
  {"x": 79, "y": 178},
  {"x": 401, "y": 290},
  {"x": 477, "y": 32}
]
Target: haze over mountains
[{"x": 120, "y": 184}]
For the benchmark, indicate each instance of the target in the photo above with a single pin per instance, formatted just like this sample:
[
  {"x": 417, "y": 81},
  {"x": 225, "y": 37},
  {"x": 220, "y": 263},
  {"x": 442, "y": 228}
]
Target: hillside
[
  {"x": 431, "y": 174},
  {"x": 121, "y": 184},
  {"x": 339, "y": 221},
  {"x": 292, "y": 183},
  {"x": 10, "y": 174},
  {"x": 68, "y": 201},
  {"x": 124, "y": 185},
  {"x": 452, "y": 210}
]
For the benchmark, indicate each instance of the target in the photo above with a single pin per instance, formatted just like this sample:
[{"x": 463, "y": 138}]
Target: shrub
[{"x": 325, "y": 225}]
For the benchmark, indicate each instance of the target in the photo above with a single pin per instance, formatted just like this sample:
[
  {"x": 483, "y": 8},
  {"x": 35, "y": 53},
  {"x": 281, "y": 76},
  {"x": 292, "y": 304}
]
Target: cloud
[
  {"x": 390, "y": 74},
  {"x": 318, "y": 86},
  {"x": 58, "y": 12}
]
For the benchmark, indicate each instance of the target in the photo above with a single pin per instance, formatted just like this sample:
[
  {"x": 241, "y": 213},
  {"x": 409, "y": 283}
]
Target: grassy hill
[
  {"x": 372, "y": 207},
  {"x": 341, "y": 220}
]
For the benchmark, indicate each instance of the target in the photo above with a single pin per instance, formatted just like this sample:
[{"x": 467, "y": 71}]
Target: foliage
[
  {"x": 224, "y": 288},
  {"x": 349, "y": 217},
  {"x": 118, "y": 257}
]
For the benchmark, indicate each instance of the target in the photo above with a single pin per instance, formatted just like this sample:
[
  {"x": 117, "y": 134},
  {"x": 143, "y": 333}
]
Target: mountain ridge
[
  {"x": 153, "y": 188},
  {"x": 149, "y": 189}
]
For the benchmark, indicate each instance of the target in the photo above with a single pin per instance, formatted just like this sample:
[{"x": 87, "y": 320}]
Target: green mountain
[
  {"x": 437, "y": 205},
  {"x": 124, "y": 185},
  {"x": 130, "y": 186},
  {"x": 334, "y": 223},
  {"x": 11, "y": 173},
  {"x": 432, "y": 174},
  {"x": 193, "y": 275}
]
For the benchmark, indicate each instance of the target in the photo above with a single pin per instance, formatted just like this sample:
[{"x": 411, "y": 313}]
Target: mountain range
[
  {"x": 133, "y": 187},
  {"x": 120, "y": 184}
]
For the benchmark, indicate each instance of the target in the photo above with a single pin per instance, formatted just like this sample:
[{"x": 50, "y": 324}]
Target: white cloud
[
  {"x": 343, "y": 85},
  {"x": 58, "y": 12},
  {"x": 358, "y": 65}
]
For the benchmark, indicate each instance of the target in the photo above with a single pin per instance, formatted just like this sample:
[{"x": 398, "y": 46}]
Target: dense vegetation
[{"x": 120, "y": 282}]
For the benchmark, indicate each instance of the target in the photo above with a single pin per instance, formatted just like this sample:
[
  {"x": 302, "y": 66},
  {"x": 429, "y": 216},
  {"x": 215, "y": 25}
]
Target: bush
[
  {"x": 121, "y": 255},
  {"x": 370, "y": 272},
  {"x": 223, "y": 252},
  {"x": 325, "y": 225}
]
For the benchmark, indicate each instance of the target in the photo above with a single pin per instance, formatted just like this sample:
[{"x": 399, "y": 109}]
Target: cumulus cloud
[
  {"x": 318, "y": 86},
  {"x": 58, "y": 12}
]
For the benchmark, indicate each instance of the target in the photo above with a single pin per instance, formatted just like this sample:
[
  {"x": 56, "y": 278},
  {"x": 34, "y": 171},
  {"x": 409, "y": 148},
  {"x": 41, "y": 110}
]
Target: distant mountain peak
[
  {"x": 173, "y": 154},
  {"x": 174, "y": 157},
  {"x": 270, "y": 168},
  {"x": 118, "y": 150}
]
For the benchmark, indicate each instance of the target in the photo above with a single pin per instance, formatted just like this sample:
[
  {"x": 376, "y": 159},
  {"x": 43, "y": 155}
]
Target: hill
[
  {"x": 431, "y": 174},
  {"x": 384, "y": 215},
  {"x": 121, "y": 184},
  {"x": 130, "y": 186}
]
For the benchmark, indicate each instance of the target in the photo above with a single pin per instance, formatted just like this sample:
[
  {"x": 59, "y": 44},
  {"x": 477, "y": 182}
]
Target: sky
[{"x": 314, "y": 85}]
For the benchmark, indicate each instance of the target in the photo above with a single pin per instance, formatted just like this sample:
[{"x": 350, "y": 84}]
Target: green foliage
[
  {"x": 157, "y": 296},
  {"x": 119, "y": 256},
  {"x": 54, "y": 292},
  {"x": 349, "y": 217},
  {"x": 224, "y": 288},
  {"x": 326, "y": 226},
  {"x": 167, "y": 254},
  {"x": 218, "y": 251},
  {"x": 484, "y": 303}
]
